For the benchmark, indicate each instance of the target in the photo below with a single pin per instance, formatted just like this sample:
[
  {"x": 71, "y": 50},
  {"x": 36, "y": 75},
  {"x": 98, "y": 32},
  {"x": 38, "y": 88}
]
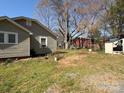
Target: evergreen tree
[{"x": 116, "y": 18}]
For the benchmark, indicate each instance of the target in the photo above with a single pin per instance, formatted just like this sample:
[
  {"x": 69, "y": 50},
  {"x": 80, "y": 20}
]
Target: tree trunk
[
  {"x": 66, "y": 42},
  {"x": 66, "y": 45}
]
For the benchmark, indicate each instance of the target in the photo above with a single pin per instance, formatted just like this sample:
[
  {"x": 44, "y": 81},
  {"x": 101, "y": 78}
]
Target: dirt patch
[
  {"x": 103, "y": 83},
  {"x": 97, "y": 83},
  {"x": 54, "y": 89},
  {"x": 73, "y": 60}
]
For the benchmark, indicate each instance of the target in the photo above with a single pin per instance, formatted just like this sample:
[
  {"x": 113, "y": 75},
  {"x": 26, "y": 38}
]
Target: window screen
[
  {"x": 43, "y": 42},
  {"x": 28, "y": 23},
  {"x": 1, "y": 37},
  {"x": 11, "y": 38}
]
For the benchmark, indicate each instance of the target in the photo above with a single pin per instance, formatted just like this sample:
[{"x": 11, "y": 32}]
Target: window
[
  {"x": 43, "y": 42},
  {"x": 1, "y": 37},
  {"x": 11, "y": 38},
  {"x": 28, "y": 23},
  {"x": 8, "y": 38}
]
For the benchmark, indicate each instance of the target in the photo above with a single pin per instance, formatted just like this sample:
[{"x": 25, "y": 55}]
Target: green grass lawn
[{"x": 39, "y": 74}]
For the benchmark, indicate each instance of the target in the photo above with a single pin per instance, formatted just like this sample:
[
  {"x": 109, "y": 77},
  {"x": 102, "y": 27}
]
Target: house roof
[
  {"x": 16, "y": 24},
  {"x": 27, "y": 18}
]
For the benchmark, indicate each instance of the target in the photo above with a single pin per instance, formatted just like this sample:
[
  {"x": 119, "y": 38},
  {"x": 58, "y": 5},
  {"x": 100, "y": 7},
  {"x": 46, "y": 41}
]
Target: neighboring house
[
  {"x": 82, "y": 42},
  {"x": 21, "y": 35}
]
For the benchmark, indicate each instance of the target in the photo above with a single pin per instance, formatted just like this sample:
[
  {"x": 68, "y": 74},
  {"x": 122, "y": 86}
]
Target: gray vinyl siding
[
  {"x": 38, "y": 31},
  {"x": 52, "y": 43},
  {"x": 21, "y": 49}
]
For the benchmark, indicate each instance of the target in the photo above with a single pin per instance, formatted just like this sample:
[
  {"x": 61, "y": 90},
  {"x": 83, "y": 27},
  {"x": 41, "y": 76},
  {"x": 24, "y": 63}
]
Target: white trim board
[{"x": 44, "y": 38}]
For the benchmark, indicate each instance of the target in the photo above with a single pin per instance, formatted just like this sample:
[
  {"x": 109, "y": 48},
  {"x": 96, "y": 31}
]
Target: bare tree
[{"x": 74, "y": 17}]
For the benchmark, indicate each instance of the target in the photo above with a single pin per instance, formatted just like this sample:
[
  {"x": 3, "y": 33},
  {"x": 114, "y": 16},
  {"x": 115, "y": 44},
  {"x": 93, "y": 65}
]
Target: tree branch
[
  {"x": 79, "y": 35},
  {"x": 61, "y": 32}
]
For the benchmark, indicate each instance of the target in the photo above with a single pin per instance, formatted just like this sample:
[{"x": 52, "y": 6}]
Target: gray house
[{"x": 21, "y": 36}]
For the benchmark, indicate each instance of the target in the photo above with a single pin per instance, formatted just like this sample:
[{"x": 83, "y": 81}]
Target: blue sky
[{"x": 13, "y": 8}]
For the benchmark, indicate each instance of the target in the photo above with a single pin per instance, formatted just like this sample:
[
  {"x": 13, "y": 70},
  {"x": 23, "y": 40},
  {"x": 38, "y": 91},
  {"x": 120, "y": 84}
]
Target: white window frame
[
  {"x": 46, "y": 43},
  {"x": 6, "y": 37}
]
